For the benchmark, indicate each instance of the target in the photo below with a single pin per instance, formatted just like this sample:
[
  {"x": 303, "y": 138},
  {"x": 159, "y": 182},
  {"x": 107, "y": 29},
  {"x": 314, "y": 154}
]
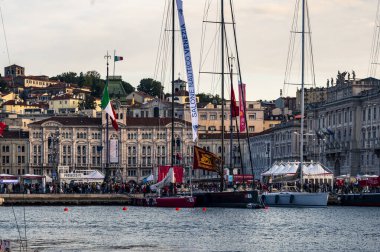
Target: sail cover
[
  {"x": 189, "y": 71},
  {"x": 169, "y": 178}
]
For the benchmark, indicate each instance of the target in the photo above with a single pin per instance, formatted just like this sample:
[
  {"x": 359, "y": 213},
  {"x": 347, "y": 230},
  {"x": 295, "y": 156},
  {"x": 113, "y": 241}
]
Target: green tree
[
  {"x": 151, "y": 87},
  {"x": 127, "y": 87},
  {"x": 81, "y": 80},
  {"x": 92, "y": 80},
  {"x": 87, "y": 103},
  {"x": 3, "y": 86},
  {"x": 67, "y": 77},
  {"x": 209, "y": 98}
]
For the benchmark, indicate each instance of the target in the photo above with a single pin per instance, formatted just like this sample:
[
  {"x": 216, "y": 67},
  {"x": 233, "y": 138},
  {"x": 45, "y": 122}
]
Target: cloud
[{"x": 51, "y": 37}]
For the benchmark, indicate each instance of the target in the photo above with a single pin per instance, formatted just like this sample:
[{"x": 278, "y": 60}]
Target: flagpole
[
  {"x": 114, "y": 55},
  {"x": 107, "y": 132}
]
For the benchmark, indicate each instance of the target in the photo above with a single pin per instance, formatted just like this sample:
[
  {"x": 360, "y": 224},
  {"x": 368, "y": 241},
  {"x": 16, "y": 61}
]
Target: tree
[
  {"x": 87, "y": 103},
  {"x": 81, "y": 80},
  {"x": 128, "y": 87},
  {"x": 209, "y": 98},
  {"x": 151, "y": 87},
  {"x": 92, "y": 80},
  {"x": 3, "y": 86},
  {"x": 67, "y": 77}
]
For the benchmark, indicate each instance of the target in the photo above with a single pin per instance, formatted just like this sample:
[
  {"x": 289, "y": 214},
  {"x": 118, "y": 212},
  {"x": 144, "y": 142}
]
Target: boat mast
[
  {"x": 242, "y": 90},
  {"x": 173, "y": 48},
  {"x": 302, "y": 90},
  {"x": 222, "y": 87}
]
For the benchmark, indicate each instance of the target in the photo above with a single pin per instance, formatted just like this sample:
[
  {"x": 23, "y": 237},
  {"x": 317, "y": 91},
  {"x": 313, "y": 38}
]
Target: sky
[{"x": 49, "y": 37}]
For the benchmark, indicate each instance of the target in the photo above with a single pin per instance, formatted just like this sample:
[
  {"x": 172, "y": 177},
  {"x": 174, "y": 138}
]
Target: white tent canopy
[
  {"x": 92, "y": 176},
  {"x": 290, "y": 168}
]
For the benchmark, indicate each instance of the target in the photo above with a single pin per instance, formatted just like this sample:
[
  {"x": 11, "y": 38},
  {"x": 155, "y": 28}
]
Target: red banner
[
  {"x": 178, "y": 173},
  {"x": 234, "y": 107},
  {"x": 241, "y": 178},
  {"x": 241, "y": 107},
  {"x": 371, "y": 181}
]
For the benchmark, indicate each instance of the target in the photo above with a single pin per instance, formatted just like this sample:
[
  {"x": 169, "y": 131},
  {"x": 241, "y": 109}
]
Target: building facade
[
  {"x": 348, "y": 126},
  {"x": 135, "y": 151},
  {"x": 14, "y": 152}
]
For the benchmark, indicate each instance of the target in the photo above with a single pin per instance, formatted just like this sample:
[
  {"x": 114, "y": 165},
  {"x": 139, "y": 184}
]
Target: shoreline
[{"x": 70, "y": 199}]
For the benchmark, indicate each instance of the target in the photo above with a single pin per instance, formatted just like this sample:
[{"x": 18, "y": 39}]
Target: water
[{"x": 109, "y": 228}]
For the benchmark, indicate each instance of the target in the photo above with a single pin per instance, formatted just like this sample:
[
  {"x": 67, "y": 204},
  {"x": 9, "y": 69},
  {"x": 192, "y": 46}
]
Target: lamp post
[{"x": 55, "y": 153}]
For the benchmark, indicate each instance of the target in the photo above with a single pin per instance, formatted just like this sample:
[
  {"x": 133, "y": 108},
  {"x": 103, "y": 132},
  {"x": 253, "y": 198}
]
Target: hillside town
[{"x": 48, "y": 127}]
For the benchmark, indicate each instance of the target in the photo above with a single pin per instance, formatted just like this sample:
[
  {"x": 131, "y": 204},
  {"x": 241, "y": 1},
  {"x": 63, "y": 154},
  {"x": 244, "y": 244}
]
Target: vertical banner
[
  {"x": 114, "y": 151},
  {"x": 189, "y": 71},
  {"x": 241, "y": 107}
]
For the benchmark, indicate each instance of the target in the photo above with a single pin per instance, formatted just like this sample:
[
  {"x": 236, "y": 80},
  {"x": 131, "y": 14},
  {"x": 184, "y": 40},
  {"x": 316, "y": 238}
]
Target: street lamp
[{"x": 53, "y": 145}]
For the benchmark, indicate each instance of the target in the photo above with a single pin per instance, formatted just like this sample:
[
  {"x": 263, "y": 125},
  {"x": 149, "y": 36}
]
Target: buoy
[
  {"x": 65, "y": 209},
  {"x": 124, "y": 208},
  {"x": 177, "y": 208},
  {"x": 204, "y": 209}
]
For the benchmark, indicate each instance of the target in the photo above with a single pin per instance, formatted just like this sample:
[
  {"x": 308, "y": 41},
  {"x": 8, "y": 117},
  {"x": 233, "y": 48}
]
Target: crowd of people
[
  {"x": 67, "y": 188},
  {"x": 112, "y": 187}
]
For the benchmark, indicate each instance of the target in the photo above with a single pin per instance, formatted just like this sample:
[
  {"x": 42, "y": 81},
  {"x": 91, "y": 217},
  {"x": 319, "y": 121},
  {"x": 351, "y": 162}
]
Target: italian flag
[
  {"x": 107, "y": 106},
  {"x": 118, "y": 58}
]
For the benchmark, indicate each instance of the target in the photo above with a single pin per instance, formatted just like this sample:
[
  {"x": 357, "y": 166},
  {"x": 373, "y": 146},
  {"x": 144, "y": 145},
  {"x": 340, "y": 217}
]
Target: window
[
  {"x": 213, "y": 117},
  {"x": 252, "y": 117},
  {"x": 369, "y": 114},
  {"x": 132, "y": 173},
  {"x": 374, "y": 113},
  {"x": 350, "y": 115},
  {"x": 251, "y": 129},
  {"x": 345, "y": 116}
]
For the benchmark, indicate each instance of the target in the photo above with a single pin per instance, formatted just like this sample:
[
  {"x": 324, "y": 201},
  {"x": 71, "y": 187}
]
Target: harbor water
[{"x": 109, "y": 228}]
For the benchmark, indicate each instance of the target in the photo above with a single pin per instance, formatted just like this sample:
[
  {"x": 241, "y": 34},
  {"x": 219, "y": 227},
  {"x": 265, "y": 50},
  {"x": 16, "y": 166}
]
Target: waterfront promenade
[{"x": 71, "y": 199}]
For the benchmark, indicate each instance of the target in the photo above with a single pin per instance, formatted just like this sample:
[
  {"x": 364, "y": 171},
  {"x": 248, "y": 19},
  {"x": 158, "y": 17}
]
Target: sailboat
[
  {"x": 176, "y": 200},
  {"x": 298, "y": 199},
  {"x": 209, "y": 161}
]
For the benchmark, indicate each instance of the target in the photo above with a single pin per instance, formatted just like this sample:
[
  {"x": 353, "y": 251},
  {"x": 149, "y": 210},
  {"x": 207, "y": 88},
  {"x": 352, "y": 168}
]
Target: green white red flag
[
  {"x": 107, "y": 107},
  {"x": 118, "y": 58}
]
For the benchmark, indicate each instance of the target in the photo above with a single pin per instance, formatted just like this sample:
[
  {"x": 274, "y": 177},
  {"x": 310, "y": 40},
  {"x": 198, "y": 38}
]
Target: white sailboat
[{"x": 298, "y": 199}]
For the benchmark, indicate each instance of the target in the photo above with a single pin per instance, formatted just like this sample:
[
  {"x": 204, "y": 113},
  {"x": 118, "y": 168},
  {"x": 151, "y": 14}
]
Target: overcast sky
[{"x": 54, "y": 36}]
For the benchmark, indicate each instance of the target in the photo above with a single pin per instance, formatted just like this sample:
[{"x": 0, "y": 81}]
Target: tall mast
[
  {"x": 173, "y": 48},
  {"x": 107, "y": 57},
  {"x": 222, "y": 86},
  {"x": 242, "y": 90},
  {"x": 302, "y": 89}
]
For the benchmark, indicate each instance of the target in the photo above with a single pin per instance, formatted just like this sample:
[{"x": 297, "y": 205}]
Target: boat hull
[
  {"x": 364, "y": 199},
  {"x": 239, "y": 199},
  {"x": 295, "y": 199},
  {"x": 180, "y": 202}
]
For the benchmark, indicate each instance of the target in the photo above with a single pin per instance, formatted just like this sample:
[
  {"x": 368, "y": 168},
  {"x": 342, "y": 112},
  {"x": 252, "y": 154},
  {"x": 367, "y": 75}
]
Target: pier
[{"x": 71, "y": 199}]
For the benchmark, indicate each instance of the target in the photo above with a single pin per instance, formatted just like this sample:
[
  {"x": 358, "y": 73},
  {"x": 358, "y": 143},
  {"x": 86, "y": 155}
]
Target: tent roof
[{"x": 285, "y": 168}]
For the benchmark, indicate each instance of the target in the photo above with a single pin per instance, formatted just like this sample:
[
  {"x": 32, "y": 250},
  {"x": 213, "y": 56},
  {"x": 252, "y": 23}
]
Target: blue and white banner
[
  {"x": 148, "y": 179},
  {"x": 189, "y": 72}
]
